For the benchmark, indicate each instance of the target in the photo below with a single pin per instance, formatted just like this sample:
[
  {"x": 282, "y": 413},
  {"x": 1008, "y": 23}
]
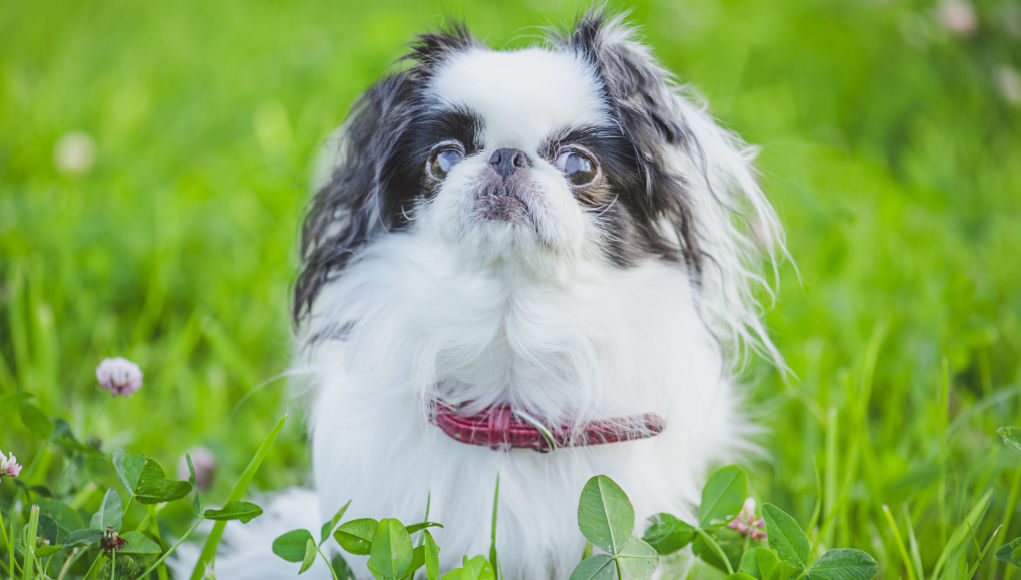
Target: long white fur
[
  {"x": 735, "y": 223},
  {"x": 491, "y": 312}
]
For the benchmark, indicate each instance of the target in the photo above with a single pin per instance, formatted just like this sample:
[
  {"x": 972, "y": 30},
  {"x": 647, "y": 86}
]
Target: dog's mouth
[
  {"x": 502, "y": 428},
  {"x": 504, "y": 205},
  {"x": 507, "y": 201}
]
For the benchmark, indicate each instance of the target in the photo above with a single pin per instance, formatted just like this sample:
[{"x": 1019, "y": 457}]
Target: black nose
[{"x": 506, "y": 161}]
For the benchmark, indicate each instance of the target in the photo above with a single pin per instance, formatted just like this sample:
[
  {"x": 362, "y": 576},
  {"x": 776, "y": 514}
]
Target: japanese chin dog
[{"x": 538, "y": 264}]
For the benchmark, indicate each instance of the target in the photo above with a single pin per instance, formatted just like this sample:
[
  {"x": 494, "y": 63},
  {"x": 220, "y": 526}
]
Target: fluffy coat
[{"x": 631, "y": 294}]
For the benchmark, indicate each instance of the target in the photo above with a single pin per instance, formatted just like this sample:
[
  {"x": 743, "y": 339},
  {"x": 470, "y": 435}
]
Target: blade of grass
[
  {"x": 959, "y": 535},
  {"x": 16, "y": 321},
  {"x": 830, "y": 478},
  {"x": 899, "y": 542},
  {"x": 28, "y": 565},
  {"x": 943, "y": 414},
  {"x": 161, "y": 572},
  {"x": 428, "y": 502},
  {"x": 916, "y": 555},
  {"x": 493, "y": 560},
  {"x": 813, "y": 521},
  {"x": 5, "y": 566},
  {"x": 159, "y": 562},
  {"x": 208, "y": 554},
  {"x": 982, "y": 552},
  {"x": 228, "y": 350},
  {"x": 1008, "y": 514},
  {"x": 7, "y": 382},
  {"x": 869, "y": 470}
]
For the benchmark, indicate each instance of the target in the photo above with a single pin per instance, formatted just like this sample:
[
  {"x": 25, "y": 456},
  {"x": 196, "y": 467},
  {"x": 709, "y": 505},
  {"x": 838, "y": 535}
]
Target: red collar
[{"x": 501, "y": 428}]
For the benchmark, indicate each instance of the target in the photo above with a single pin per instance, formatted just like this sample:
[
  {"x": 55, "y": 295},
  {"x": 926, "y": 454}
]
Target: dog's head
[{"x": 583, "y": 150}]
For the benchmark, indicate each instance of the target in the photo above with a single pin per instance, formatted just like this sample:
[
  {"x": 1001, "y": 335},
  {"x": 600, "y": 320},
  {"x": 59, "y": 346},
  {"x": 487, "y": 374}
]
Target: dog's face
[
  {"x": 581, "y": 151},
  {"x": 513, "y": 152}
]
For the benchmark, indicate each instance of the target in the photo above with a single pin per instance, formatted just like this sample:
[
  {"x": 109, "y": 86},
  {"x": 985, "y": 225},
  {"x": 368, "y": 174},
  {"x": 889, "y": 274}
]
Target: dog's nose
[{"x": 506, "y": 161}]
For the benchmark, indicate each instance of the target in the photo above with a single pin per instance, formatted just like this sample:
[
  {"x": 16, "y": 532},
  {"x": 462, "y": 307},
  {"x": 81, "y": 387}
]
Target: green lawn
[{"x": 891, "y": 147}]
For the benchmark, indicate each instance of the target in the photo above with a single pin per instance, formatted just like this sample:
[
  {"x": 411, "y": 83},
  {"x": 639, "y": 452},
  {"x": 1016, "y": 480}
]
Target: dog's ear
[
  {"x": 366, "y": 187},
  {"x": 429, "y": 49},
  {"x": 700, "y": 183},
  {"x": 635, "y": 83}
]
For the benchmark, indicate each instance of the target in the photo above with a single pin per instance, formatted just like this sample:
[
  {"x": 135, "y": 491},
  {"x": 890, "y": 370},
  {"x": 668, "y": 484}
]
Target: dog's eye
[
  {"x": 443, "y": 158},
  {"x": 577, "y": 166}
]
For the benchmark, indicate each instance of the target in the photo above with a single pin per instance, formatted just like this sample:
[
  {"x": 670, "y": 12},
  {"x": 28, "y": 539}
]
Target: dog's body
[
  {"x": 554, "y": 230},
  {"x": 433, "y": 318}
]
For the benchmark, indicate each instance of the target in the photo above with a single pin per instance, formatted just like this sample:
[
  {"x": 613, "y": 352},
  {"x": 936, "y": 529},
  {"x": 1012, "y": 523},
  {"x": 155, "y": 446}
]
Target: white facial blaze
[{"x": 521, "y": 96}]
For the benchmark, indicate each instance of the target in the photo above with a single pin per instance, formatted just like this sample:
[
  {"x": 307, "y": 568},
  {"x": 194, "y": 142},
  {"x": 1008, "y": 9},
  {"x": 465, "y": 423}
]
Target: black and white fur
[{"x": 627, "y": 295}]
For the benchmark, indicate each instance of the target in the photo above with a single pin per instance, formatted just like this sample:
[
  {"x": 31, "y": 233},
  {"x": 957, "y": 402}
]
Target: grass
[{"x": 889, "y": 146}]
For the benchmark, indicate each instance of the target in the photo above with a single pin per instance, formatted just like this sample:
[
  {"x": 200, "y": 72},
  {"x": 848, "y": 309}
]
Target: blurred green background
[{"x": 154, "y": 161}]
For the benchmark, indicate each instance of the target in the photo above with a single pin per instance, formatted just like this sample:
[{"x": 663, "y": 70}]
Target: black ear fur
[
  {"x": 689, "y": 162},
  {"x": 635, "y": 82},
  {"x": 368, "y": 187},
  {"x": 432, "y": 47},
  {"x": 640, "y": 94}
]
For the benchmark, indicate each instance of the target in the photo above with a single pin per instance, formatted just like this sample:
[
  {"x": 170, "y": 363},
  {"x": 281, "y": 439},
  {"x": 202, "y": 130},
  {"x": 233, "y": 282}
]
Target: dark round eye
[
  {"x": 443, "y": 158},
  {"x": 578, "y": 167}
]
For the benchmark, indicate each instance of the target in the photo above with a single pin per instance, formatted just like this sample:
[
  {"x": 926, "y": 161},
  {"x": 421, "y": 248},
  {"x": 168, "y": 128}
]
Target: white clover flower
[
  {"x": 1009, "y": 82},
  {"x": 204, "y": 462},
  {"x": 747, "y": 523},
  {"x": 119, "y": 376},
  {"x": 958, "y": 17},
  {"x": 74, "y": 153},
  {"x": 9, "y": 466}
]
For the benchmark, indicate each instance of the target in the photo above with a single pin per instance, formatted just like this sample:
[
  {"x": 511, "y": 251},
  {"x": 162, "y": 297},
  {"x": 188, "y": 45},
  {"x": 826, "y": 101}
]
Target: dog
[{"x": 538, "y": 265}]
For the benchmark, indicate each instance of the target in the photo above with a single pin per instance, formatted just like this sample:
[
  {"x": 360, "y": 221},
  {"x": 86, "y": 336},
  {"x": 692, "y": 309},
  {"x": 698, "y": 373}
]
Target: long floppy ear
[
  {"x": 700, "y": 181},
  {"x": 367, "y": 187}
]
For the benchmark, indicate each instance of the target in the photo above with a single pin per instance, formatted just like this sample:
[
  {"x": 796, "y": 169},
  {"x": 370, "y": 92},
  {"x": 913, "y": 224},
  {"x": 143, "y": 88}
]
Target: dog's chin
[{"x": 508, "y": 224}]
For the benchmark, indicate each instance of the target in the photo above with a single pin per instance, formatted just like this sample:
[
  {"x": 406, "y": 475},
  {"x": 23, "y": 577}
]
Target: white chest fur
[{"x": 587, "y": 343}]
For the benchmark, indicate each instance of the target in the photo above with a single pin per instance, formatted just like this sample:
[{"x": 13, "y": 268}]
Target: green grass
[{"x": 887, "y": 145}]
